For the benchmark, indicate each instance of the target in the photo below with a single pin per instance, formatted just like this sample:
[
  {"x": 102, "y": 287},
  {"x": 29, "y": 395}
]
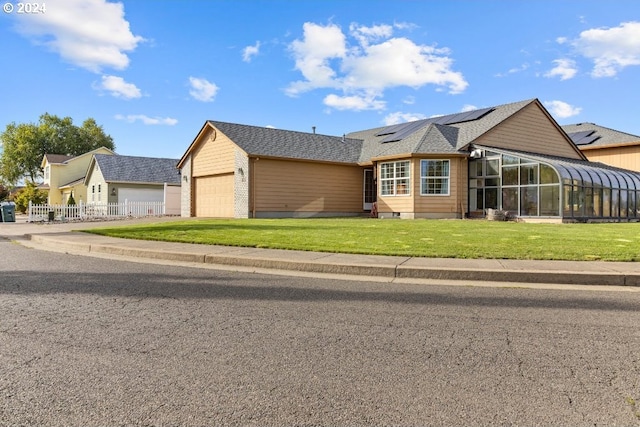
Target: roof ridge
[
  {"x": 603, "y": 127},
  {"x": 436, "y": 127},
  {"x": 270, "y": 129},
  {"x": 121, "y": 156}
]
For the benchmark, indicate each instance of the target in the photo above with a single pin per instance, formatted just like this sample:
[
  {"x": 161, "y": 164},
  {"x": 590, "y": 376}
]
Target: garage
[
  {"x": 214, "y": 196},
  {"x": 140, "y": 194}
]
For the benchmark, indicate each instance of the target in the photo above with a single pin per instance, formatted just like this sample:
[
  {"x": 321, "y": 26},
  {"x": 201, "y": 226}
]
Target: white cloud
[
  {"x": 561, "y": 109},
  {"x": 468, "y": 107},
  {"x": 399, "y": 117},
  {"x": 92, "y": 34},
  {"x": 610, "y": 49},
  {"x": 400, "y": 62},
  {"x": 365, "y": 69},
  {"x": 405, "y": 25},
  {"x": 118, "y": 87},
  {"x": 565, "y": 69},
  {"x": 132, "y": 118},
  {"x": 250, "y": 51},
  {"x": 366, "y": 35},
  {"x": 515, "y": 70},
  {"x": 202, "y": 89},
  {"x": 409, "y": 100},
  {"x": 353, "y": 102},
  {"x": 312, "y": 55}
]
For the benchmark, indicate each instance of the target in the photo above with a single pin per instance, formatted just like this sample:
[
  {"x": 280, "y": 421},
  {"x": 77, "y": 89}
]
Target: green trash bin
[{"x": 8, "y": 212}]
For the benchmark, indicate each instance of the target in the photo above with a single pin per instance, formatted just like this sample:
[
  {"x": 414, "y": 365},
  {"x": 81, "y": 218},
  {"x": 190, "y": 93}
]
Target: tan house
[
  {"x": 609, "y": 146},
  {"x": 512, "y": 157},
  {"x": 64, "y": 175}
]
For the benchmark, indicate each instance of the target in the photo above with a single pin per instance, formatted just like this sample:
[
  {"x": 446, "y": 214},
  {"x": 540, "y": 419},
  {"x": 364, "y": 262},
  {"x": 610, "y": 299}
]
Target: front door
[{"x": 369, "y": 190}]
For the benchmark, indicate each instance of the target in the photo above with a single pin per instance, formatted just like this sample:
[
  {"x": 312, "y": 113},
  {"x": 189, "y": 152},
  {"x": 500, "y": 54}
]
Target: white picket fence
[{"x": 94, "y": 211}]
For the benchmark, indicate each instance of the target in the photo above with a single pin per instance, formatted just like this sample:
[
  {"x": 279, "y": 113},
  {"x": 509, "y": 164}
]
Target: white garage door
[
  {"x": 140, "y": 195},
  {"x": 214, "y": 196}
]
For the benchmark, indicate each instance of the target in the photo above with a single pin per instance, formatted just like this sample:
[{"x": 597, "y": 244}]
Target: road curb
[
  {"x": 521, "y": 276},
  {"x": 354, "y": 269}
]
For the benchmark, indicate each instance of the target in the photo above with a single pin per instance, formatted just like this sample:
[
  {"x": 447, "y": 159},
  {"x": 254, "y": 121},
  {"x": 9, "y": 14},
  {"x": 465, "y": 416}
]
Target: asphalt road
[{"x": 94, "y": 342}]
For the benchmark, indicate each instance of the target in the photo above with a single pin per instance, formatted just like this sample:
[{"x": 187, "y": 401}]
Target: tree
[
  {"x": 30, "y": 193},
  {"x": 25, "y": 144}
]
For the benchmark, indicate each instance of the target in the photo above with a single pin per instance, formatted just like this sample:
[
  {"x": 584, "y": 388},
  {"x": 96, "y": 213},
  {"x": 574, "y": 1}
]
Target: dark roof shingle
[
  {"x": 262, "y": 141},
  {"x": 151, "y": 170},
  {"x": 605, "y": 136}
]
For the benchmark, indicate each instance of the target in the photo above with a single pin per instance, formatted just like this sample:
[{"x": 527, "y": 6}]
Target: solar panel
[
  {"x": 470, "y": 115},
  {"x": 390, "y": 129},
  {"x": 407, "y": 130},
  {"x": 584, "y": 137},
  {"x": 588, "y": 140},
  {"x": 577, "y": 136},
  {"x": 401, "y": 131}
]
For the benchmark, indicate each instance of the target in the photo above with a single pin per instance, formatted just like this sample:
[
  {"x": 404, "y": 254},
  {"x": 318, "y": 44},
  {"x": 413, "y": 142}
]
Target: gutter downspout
[{"x": 252, "y": 190}]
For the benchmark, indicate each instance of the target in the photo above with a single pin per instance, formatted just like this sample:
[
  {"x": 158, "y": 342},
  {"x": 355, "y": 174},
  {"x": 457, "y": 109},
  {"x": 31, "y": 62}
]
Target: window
[
  {"x": 510, "y": 175},
  {"x": 394, "y": 178},
  {"x": 528, "y": 174},
  {"x": 46, "y": 172},
  {"x": 434, "y": 177}
]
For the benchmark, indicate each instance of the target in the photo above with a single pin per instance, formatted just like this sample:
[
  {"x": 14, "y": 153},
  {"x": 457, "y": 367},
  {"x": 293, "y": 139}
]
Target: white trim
[
  {"x": 447, "y": 177},
  {"x": 367, "y": 206},
  {"x": 394, "y": 180}
]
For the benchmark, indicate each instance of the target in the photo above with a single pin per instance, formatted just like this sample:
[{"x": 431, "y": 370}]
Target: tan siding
[
  {"x": 290, "y": 186},
  {"x": 453, "y": 205},
  {"x": 214, "y": 196},
  {"x": 621, "y": 157},
  {"x": 443, "y": 204},
  {"x": 395, "y": 203},
  {"x": 529, "y": 130},
  {"x": 401, "y": 203},
  {"x": 214, "y": 155}
]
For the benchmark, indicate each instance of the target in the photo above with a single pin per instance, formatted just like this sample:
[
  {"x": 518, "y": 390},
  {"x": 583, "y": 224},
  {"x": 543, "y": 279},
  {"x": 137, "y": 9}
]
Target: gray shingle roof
[
  {"x": 426, "y": 137},
  {"x": 436, "y": 138},
  {"x": 606, "y": 136},
  {"x": 148, "y": 170},
  {"x": 262, "y": 141}
]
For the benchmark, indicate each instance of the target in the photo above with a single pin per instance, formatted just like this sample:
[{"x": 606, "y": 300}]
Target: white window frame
[
  {"x": 425, "y": 178},
  {"x": 394, "y": 178}
]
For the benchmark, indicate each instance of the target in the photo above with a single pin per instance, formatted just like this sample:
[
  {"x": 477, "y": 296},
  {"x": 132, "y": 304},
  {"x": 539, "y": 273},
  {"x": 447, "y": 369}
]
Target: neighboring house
[
  {"x": 512, "y": 157},
  {"x": 609, "y": 146},
  {"x": 119, "y": 179},
  {"x": 64, "y": 175}
]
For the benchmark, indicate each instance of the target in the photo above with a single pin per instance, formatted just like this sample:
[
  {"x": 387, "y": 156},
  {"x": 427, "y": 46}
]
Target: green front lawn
[{"x": 420, "y": 238}]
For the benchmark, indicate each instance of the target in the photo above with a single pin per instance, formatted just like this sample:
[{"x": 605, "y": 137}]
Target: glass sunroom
[{"x": 534, "y": 185}]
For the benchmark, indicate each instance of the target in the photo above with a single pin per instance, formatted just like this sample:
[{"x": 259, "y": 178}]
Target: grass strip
[{"x": 417, "y": 238}]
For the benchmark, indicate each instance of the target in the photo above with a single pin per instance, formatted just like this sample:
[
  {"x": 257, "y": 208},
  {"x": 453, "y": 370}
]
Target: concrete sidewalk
[{"x": 61, "y": 237}]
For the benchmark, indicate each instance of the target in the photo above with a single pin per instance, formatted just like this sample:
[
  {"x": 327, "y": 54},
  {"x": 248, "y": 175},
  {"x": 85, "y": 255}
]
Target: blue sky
[{"x": 152, "y": 72}]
